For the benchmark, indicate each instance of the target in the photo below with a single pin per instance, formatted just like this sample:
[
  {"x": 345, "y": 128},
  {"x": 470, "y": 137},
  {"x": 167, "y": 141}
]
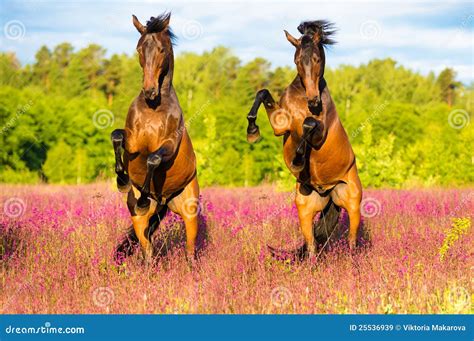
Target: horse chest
[
  {"x": 145, "y": 138},
  {"x": 323, "y": 168}
]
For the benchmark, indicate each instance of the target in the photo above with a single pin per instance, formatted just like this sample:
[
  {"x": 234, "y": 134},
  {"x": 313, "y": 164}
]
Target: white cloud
[{"x": 255, "y": 29}]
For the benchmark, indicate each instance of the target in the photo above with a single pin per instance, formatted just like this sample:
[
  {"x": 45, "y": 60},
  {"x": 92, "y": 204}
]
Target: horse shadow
[
  {"x": 172, "y": 234},
  {"x": 327, "y": 242},
  {"x": 339, "y": 239},
  {"x": 10, "y": 242}
]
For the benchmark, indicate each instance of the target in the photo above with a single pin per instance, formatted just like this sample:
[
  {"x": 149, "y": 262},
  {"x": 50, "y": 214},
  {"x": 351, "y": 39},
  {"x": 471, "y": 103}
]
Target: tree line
[{"x": 57, "y": 113}]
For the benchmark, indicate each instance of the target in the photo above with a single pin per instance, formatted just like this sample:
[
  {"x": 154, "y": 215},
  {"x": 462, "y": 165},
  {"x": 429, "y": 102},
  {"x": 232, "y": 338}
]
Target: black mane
[
  {"x": 158, "y": 24},
  {"x": 324, "y": 27}
]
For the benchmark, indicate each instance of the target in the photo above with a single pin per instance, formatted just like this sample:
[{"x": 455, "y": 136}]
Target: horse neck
[
  {"x": 328, "y": 103},
  {"x": 167, "y": 83}
]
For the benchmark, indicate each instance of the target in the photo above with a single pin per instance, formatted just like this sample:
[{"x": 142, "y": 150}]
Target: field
[{"x": 57, "y": 247}]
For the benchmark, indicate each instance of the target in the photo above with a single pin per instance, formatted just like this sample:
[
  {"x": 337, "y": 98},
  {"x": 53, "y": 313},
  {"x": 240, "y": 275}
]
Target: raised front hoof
[
  {"x": 142, "y": 206},
  {"x": 253, "y": 134},
  {"x": 252, "y": 138},
  {"x": 297, "y": 166},
  {"x": 123, "y": 184}
]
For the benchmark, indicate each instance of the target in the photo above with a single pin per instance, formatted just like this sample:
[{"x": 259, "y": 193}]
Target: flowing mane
[
  {"x": 159, "y": 24},
  {"x": 324, "y": 27}
]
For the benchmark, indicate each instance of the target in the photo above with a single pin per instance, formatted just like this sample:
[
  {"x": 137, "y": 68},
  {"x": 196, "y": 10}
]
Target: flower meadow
[{"x": 57, "y": 255}]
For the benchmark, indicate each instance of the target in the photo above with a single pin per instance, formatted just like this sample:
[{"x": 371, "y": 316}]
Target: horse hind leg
[
  {"x": 118, "y": 140},
  {"x": 308, "y": 205},
  {"x": 143, "y": 226},
  {"x": 128, "y": 244},
  {"x": 186, "y": 205}
]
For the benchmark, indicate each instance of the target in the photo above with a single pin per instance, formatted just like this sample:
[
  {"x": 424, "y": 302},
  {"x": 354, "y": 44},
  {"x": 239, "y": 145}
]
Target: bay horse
[
  {"x": 158, "y": 166},
  {"x": 316, "y": 148}
]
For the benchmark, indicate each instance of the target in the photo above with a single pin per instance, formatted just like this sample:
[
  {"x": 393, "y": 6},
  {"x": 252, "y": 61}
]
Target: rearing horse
[
  {"x": 316, "y": 148},
  {"x": 158, "y": 169}
]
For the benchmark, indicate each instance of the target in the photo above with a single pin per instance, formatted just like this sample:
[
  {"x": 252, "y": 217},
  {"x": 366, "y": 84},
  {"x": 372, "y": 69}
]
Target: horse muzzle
[
  {"x": 315, "y": 105},
  {"x": 150, "y": 93}
]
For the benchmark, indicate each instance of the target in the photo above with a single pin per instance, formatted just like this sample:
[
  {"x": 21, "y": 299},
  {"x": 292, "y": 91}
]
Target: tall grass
[{"x": 57, "y": 247}]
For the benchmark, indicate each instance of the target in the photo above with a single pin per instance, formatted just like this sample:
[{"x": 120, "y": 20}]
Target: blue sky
[{"x": 422, "y": 35}]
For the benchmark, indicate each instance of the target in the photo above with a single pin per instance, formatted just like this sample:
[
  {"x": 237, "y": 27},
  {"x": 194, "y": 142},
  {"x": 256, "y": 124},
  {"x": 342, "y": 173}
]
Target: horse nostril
[
  {"x": 314, "y": 102},
  {"x": 150, "y": 93}
]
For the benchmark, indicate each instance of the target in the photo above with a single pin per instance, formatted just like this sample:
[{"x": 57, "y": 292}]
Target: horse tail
[
  {"x": 130, "y": 242},
  {"x": 328, "y": 222},
  {"x": 323, "y": 231}
]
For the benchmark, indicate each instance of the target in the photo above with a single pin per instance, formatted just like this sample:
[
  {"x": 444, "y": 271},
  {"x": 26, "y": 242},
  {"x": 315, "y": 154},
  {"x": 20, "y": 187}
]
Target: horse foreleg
[
  {"x": 311, "y": 127},
  {"x": 186, "y": 205},
  {"x": 153, "y": 161},
  {"x": 280, "y": 119},
  {"x": 123, "y": 181}
]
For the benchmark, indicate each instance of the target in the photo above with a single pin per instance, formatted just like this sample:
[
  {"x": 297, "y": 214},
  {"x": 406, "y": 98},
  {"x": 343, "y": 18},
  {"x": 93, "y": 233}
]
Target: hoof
[
  {"x": 298, "y": 166},
  {"x": 253, "y": 134},
  {"x": 192, "y": 262},
  {"x": 252, "y": 138},
  {"x": 123, "y": 183},
  {"x": 142, "y": 206}
]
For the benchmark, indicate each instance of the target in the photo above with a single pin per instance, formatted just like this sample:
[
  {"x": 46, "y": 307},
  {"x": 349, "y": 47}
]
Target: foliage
[
  {"x": 459, "y": 227},
  {"x": 50, "y": 131}
]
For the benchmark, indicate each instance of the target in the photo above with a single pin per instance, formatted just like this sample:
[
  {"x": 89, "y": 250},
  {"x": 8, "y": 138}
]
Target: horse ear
[
  {"x": 291, "y": 39},
  {"x": 140, "y": 28},
  {"x": 167, "y": 19}
]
